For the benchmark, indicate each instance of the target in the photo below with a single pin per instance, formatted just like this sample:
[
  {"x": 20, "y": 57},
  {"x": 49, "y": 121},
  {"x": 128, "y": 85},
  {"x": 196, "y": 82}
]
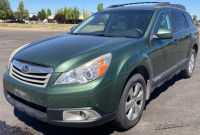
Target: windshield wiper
[
  {"x": 75, "y": 33},
  {"x": 104, "y": 35},
  {"x": 101, "y": 35}
]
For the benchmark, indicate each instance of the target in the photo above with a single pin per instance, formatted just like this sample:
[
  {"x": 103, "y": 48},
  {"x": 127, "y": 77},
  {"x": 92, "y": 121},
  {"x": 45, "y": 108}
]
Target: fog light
[
  {"x": 80, "y": 115},
  {"x": 83, "y": 114}
]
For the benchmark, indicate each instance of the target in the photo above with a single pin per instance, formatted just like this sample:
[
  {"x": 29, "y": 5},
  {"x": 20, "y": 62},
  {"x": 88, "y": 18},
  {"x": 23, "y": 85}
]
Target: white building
[
  {"x": 51, "y": 18},
  {"x": 191, "y": 16},
  {"x": 81, "y": 16},
  {"x": 32, "y": 14}
]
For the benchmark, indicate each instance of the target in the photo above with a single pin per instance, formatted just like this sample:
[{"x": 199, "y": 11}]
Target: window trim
[
  {"x": 185, "y": 13},
  {"x": 186, "y": 20},
  {"x": 175, "y": 23},
  {"x": 152, "y": 31}
]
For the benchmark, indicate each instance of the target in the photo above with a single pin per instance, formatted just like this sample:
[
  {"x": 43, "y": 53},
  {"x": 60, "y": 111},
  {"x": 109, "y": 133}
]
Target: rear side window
[
  {"x": 189, "y": 20},
  {"x": 178, "y": 21}
]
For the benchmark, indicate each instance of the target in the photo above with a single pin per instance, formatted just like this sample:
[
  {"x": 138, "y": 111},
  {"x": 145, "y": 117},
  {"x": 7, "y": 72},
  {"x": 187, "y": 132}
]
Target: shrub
[
  {"x": 34, "y": 18},
  {"x": 60, "y": 18}
]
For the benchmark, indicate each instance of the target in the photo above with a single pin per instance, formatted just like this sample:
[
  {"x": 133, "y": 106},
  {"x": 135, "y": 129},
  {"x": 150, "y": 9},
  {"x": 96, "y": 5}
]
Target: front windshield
[{"x": 124, "y": 23}]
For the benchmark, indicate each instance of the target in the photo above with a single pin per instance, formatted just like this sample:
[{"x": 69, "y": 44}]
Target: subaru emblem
[{"x": 25, "y": 69}]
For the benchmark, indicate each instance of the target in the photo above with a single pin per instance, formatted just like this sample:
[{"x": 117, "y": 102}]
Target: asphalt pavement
[{"x": 174, "y": 108}]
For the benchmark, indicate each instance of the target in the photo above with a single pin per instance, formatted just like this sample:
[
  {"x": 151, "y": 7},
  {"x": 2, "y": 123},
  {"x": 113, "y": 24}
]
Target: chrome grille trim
[
  {"x": 36, "y": 76},
  {"x": 32, "y": 68}
]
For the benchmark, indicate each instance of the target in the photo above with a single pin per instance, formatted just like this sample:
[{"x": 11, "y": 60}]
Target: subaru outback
[{"x": 104, "y": 69}]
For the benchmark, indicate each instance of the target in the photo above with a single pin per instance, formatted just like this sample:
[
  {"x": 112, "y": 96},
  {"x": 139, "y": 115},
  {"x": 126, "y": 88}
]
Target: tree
[
  {"x": 70, "y": 13},
  {"x": 12, "y": 17},
  {"x": 42, "y": 14},
  {"x": 5, "y": 10},
  {"x": 26, "y": 14},
  {"x": 21, "y": 12},
  {"x": 20, "y": 9},
  {"x": 34, "y": 18},
  {"x": 100, "y": 7},
  {"x": 68, "y": 16},
  {"x": 60, "y": 18},
  {"x": 194, "y": 17},
  {"x": 76, "y": 13},
  {"x": 3, "y": 15},
  {"x": 16, "y": 15},
  {"x": 65, "y": 10},
  {"x": 85, "y": 14},
  {"x": 60, "y": 11},
  {"x": 48, "y": 13}
]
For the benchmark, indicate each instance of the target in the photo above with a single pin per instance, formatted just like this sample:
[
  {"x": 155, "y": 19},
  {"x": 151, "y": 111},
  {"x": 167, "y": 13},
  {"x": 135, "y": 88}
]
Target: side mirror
[
  {"x": 165, "y": 34},
  {"x": 72, "y": 28}
]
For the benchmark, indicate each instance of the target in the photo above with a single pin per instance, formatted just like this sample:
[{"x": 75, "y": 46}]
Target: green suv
[{"x": 105, "y": 68}]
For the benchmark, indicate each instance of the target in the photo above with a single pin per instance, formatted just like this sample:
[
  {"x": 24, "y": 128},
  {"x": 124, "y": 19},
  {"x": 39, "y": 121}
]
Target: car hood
[{"x": 56, "y": 50}]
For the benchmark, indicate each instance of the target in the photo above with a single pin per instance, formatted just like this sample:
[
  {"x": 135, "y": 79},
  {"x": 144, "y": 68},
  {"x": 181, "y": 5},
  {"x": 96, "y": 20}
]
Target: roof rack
[
  {"x": 158, "y": 5},
  {"x": 178, "y": 6},
  {"x": 121, "y": 5}
]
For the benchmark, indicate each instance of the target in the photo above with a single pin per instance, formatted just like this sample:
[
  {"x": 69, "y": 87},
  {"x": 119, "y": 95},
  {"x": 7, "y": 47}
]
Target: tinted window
[
  {"x": 185, "y": 22},
  {"x": 124, "y": 23},
  {"x": 189, "y": 20},
  {"x": 178, "y": 20},
  {"x": 163, "y": 22}
]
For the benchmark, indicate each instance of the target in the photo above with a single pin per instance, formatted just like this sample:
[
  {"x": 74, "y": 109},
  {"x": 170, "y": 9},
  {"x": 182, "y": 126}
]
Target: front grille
[{"x": 36, "y": 75}]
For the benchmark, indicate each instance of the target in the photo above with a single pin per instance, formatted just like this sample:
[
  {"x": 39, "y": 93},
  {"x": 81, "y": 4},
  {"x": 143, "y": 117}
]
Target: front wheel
[
  {"x": 132, "y": 103},
  {"x": 187, "y": 73}
]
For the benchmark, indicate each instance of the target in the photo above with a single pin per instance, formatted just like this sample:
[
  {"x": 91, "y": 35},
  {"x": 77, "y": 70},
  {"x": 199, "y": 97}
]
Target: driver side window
[{"x": 163, "y": 22}]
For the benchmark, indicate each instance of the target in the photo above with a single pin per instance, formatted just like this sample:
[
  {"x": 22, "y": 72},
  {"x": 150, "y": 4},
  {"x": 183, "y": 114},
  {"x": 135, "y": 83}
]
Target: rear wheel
[
  {"x": 187, "y": 73},
  {"x": 132, "y": 103}
]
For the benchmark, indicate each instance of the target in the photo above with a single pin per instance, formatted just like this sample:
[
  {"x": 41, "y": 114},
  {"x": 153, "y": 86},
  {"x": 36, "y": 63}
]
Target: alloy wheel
[
  {"x": 134, "y": 101},
  {"x": 191, "y": 63}
]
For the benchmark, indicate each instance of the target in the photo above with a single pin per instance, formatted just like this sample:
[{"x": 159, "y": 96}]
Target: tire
[
  {"x": 187, "y": 73},
  {"x": 133, "y": 100}
]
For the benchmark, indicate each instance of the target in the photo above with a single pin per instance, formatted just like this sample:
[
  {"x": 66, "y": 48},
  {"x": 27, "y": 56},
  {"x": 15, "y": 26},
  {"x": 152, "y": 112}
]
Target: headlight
[
  {"x": 13, "y": 53},
  {"x": 87, "y": 72}
]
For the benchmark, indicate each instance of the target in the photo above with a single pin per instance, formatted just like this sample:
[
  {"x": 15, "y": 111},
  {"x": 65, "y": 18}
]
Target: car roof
[{"x": 134, "y": 7}]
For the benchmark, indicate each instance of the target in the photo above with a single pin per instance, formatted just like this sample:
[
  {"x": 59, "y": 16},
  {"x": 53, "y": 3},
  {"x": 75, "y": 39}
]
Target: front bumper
[{"x": 54, "y": 116}]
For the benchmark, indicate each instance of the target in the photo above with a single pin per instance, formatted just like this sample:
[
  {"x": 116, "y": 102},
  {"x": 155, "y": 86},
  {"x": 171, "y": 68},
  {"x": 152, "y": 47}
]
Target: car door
[
  {"x": 184, "y": 37},
  {"x": 167, "y": 54}
]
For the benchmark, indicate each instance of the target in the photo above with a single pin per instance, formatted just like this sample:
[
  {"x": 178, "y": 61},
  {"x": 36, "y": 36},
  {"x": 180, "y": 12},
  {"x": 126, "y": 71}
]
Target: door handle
[{"x": 176, "y": 42}]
